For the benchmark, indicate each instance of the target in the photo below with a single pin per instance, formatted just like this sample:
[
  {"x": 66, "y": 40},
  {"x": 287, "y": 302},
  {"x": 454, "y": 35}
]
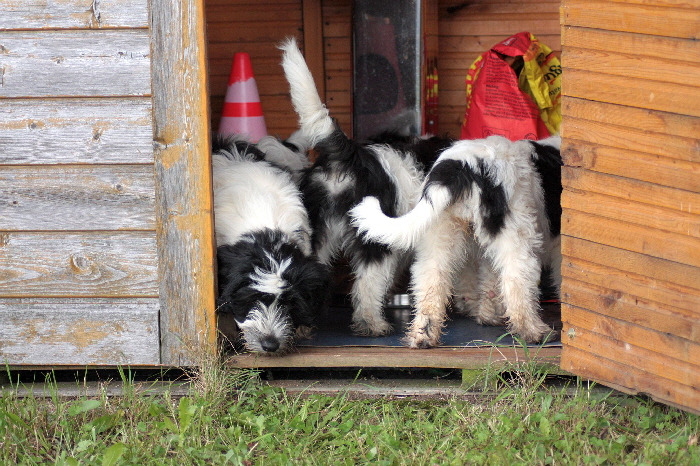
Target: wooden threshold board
[{"x": 386, "y": 357}]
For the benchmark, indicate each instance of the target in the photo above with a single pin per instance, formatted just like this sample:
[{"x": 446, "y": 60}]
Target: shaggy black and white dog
[
  {"x": 344, "y": 172},
  {"x": 268, "y": 280},
  {"x": 489, "y": 217}
]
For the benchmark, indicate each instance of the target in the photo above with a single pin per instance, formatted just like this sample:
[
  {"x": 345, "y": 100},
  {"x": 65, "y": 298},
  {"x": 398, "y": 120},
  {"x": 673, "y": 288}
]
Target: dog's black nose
[{"x": 270, "y": 345}]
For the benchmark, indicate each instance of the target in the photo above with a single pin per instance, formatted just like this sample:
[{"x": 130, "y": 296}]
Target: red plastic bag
[{"x": 497, "y": 102}]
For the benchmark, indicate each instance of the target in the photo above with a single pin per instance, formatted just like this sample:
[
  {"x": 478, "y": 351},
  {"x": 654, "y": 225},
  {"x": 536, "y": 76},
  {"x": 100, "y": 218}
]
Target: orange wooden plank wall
[{"x": 631, "y": 222}]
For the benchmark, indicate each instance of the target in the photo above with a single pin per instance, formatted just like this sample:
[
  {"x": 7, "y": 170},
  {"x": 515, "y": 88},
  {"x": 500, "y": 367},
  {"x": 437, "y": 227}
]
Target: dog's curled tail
[
  {"x": 314, "y": 120},
  {"x": 400, "y": 232}
]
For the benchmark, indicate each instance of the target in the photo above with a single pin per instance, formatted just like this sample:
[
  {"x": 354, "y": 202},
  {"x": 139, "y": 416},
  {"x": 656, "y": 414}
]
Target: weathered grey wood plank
[
  {"x": 78, "y": 264},
  {"x": 47, "y": 131},
  {"x": 79, "y": 332},
  {"x": 40, "y": 14},
  {"x": 183, "y": 181},
  {"x": 75, "y": 63},
  {"x": 77, "y": 197}
]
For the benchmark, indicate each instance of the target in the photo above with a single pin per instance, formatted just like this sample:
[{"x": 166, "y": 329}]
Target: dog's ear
[
  {"x": 309, "y": 291},
  {"x": 235, "y": 296}
]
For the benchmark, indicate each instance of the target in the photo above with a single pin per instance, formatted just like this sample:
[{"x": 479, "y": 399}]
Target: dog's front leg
[
  {"x": 369, "y": 291},
  {"x": 439, "y": 256}
]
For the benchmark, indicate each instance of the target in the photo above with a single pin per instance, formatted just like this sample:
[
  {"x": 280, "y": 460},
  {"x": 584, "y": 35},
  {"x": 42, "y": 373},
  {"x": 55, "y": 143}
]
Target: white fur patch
[
  {"x": 271, "y": 281},
  {"x": 266, "y": 323},
  {"x": 253, "y": 196}
]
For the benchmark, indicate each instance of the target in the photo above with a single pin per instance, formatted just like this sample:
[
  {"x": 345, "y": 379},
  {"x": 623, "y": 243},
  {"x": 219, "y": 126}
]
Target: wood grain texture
[
  {"x": 625, "y": 351},
  {"x": 674, "y": 173},
  {"x": 73, "y": 14},
  {"x": 76, "y": 130},
  {"x": 85, "y": 332},
  {"x": 184, "y": 212},
  {"x": 630, "y": 211},
  {"x": 337, "y": 48},
  {"x": 633, "y": 65},
  {"x": 313, "y": 41},
  {"x": 629, "y": 379},
  {"x": 78, "y": 264},
  {"x": 242, "y": 14},
  {"x": 677, "y": 350},
  {"x": 638, "y": 264},
  {"x": 658, "y": 20},
  {"x": 659, "y": 317},
  {"x": 648, "y": 288},
  {"x": 271, "y": 32},
  {"x": 663, "y": 3},
  {"x": 637, "y": 238},
  {"x": 75, "y": 63},
  {"x": 660, "y": 124},
  {"x": 625, "y": 188},
  {"x": 82, "y": 197},
  {"x": 632, "y": 92},
  {"x": 672, "y": 49},
  {"x": 536, "y": 23},
  {"x": 631, "y": 230},
  {"x": 462, "y": 358}
]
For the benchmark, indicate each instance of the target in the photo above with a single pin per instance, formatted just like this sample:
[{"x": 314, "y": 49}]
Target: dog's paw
[
  {"x": 466, "y": 304},
  {"x": 304, "y": 333},
  {"x": 490, "y": 309},
  {"x": 373, "y": 328},
  {"x": 540, "y": 333},
  {"x": 420, "y": 340}
]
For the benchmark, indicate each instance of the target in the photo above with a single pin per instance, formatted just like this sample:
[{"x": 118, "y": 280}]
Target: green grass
[{"x": 231, "y": 417}]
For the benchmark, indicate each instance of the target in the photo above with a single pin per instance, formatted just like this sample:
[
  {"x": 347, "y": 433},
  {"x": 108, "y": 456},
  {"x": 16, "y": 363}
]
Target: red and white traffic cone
[{"x": 242, "y": 112}]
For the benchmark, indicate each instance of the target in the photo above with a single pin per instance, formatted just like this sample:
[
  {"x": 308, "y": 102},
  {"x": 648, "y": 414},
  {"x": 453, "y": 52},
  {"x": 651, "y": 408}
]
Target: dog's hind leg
[
  {"x": 369, "y": 291},
  {"x": 439, "y": 256},
  {"x": 515, "y": 258}
]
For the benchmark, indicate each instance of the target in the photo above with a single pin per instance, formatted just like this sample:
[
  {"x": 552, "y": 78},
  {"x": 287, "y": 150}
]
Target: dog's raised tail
[
  {"x": 399, "y": 232},
  {"x": 314, "y": 120}
]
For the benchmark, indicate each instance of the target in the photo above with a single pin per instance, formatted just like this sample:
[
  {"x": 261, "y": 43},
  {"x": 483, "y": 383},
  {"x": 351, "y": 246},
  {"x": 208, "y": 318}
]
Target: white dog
[
  {"x": 268, "y": 280},
  {"x": 489, "y": 199},
  {"x": 343, "y": 174}
]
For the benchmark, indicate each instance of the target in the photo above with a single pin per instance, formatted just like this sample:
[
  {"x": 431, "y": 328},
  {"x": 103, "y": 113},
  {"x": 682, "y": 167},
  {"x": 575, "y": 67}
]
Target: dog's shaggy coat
[
  {"x": 267, "y": 278},
  {"x": 344, "y": 172},
  {"x": 489, "y": 199}
]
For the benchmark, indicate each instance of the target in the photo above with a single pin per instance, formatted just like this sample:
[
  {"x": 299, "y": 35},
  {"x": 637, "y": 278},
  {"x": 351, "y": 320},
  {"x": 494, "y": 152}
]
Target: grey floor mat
[{"x": 334, "y": 330}]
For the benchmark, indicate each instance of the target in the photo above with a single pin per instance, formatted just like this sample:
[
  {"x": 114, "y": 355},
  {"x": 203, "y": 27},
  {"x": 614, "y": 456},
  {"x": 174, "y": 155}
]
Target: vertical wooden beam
[
  {"x": 313, "y": 43},
  {"x": 184, "y": 203}
]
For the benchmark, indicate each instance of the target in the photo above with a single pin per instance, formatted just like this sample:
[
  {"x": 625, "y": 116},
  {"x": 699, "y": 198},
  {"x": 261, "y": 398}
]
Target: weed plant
[{"x": 231, "y": 417}]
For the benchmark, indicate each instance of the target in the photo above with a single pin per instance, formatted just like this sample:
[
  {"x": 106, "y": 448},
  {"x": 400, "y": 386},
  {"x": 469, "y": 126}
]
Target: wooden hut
[{"x": 106, "y": 251}]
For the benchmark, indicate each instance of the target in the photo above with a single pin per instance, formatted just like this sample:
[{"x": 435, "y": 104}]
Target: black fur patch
[
  {"x": 223, "y": 144},
  {"x": 307, "y": 279},
  {"x": 548, "y": 162},
  {"x": 341, "y": 156},
  {"x": 459, "y": 178},
  {"x": 425, "y": 151}
]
